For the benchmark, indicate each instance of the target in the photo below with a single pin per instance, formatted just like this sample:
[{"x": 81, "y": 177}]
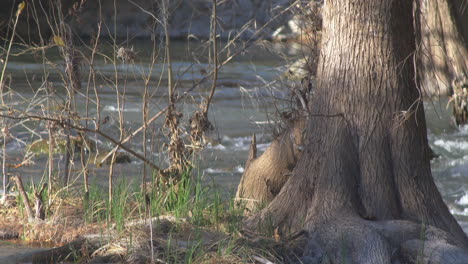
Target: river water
[{"x": 244, "y": 103}]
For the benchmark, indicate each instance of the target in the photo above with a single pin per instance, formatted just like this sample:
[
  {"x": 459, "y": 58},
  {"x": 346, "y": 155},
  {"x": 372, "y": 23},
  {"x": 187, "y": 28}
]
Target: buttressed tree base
[{"x": 362, "y": 189}]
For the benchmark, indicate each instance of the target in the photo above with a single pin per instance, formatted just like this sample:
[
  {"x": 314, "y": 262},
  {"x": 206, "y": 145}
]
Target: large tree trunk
[
  {"x": 443, "y": 53},
  {"x": 363, "y": 185}
]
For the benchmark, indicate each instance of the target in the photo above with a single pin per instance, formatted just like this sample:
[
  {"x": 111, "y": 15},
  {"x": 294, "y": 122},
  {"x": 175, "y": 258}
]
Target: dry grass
[
  {"x": 174, "y": 240},
  {"x": 62, "y": 227}
]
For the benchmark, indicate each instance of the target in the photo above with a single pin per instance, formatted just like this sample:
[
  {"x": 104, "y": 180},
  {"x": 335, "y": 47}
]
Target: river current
[{"x": 244, "y": 103}]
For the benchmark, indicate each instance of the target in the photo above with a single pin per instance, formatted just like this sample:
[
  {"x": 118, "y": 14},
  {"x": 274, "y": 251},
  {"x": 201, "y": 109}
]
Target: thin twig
[
  {"x": 215, "y": 58},
  {"x": 20, "y": 9},
  {"x": 24, "y": 196},
  {"x": 65, "y": 123}
]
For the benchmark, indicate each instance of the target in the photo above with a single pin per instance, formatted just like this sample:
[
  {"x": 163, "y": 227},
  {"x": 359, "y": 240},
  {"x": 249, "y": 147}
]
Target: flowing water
[{"x": 243, "y": 104}]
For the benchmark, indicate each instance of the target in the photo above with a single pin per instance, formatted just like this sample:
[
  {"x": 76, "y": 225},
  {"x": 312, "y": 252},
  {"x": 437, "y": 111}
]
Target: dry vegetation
[
  {"x": 63, "y": 122},
  {"x": 192, "y": 227}
]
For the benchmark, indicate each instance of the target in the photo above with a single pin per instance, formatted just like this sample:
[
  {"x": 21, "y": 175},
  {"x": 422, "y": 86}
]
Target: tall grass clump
[
  {"x": 65, "y": 112},
  {"x": 121, "y": 208},
  {"x": 95, "y": 205},
  {"x": 202, "y": 204},
  {"x": 115, "y": 212}
]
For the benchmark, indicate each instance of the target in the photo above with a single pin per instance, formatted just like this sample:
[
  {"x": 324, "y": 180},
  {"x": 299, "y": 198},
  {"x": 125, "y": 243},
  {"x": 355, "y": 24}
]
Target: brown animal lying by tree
[{"x": 265, "y": 175}]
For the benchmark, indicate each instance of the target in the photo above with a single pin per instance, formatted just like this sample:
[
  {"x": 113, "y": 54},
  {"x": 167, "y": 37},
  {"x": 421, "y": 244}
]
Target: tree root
[
  {"x": 71, "y": 251},
  {"x": 8, "y": 234},
  {"x": 354, "y": 240},
  {"x": 399, "y": 231},
  {"x": 348, "y": 240},
  {"x": 433, "y": 252}
]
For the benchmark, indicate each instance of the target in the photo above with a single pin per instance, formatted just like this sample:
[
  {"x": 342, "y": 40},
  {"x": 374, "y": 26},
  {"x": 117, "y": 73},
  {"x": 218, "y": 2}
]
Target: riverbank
[
  {"x": 190, "y": 223},
  {"x": 248, "y": 90}
]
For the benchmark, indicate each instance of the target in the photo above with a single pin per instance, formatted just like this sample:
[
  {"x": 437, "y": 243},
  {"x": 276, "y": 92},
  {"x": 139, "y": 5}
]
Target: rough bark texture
[
  {"x": 443, "y": 54},
  {"x": 363, "y": 185}
]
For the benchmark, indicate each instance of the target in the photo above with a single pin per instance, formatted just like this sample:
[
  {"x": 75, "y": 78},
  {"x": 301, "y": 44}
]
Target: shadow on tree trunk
[{"x": 362, "y": 189}]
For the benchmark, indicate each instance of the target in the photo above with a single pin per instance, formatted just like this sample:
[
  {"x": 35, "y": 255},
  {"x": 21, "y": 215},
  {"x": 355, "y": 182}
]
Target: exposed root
[
  {"x": 433, "y": 252},
  {"x": 347, "y": 240},
  {"x": 6, "y": 234},
  {"x": 71, "y": 251},
  {"x": 355, "y": 240},
  {"x": 399, "y": 231}
]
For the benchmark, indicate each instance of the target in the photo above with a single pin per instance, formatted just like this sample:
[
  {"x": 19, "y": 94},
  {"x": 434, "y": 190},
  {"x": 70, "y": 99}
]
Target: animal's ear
[{"x": 253, "y": 151}]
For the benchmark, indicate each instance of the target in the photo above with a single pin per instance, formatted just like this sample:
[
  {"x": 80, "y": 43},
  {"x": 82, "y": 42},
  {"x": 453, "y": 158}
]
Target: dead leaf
[
  {"x": 276, "y": 235},
  {"x": 59, "y": 41},
  {"x": 21, "y": 6}
]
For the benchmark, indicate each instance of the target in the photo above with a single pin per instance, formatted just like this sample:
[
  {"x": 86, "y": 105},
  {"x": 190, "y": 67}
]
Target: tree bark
[
  {"x": 365, "y": 169},
  {"x": 443, "y": 53}
]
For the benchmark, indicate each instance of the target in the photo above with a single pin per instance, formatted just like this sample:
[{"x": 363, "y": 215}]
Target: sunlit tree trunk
[
  {"x": 363, "y": 183},
  {"x": 443, "y": 51}
]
